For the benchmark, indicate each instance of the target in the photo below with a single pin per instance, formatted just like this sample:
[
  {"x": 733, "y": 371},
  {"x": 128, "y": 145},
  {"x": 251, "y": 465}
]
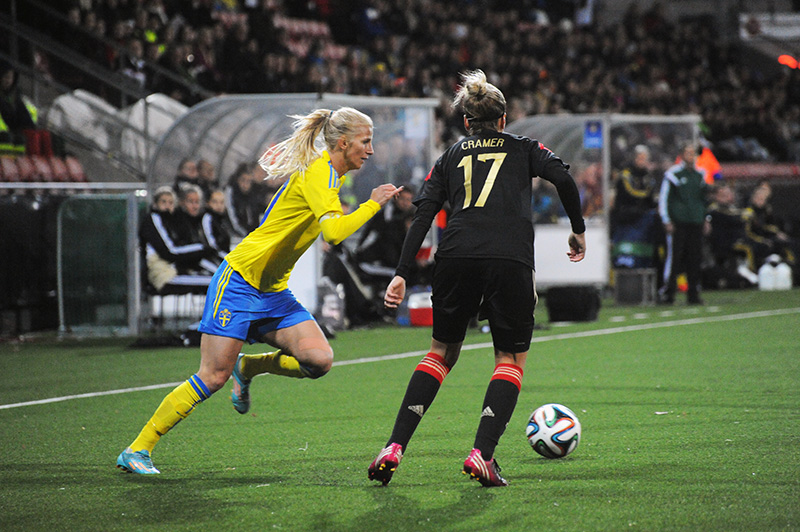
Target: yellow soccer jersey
[{"x": 266, "y": 257}]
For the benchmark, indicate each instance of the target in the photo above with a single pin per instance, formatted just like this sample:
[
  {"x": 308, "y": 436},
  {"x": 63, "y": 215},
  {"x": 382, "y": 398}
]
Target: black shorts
[{"x": 502, "y": 290}]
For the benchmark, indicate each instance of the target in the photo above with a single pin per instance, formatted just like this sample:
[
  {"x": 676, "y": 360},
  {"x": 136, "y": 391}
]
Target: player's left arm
[
  {"x": 557, "y": 173},
  {"x": 324, "y": 202}
]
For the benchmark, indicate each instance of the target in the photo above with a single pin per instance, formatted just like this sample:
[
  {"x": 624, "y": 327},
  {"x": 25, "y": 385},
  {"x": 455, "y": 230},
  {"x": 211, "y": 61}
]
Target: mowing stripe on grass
[{"x": 484, "y": 345}]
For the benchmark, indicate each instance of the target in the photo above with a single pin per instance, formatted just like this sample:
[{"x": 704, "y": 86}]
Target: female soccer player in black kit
[{"x": 484, "y": 263}]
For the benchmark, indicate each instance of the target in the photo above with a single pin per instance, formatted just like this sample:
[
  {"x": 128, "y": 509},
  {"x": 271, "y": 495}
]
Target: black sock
[
  {"x": 498, "y": 406},
  {"x": 422, "y": 389}
]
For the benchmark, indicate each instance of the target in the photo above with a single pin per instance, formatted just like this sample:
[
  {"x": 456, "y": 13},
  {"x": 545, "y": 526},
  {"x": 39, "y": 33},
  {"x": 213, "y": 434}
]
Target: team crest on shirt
[{"x": 224, "y": 317}]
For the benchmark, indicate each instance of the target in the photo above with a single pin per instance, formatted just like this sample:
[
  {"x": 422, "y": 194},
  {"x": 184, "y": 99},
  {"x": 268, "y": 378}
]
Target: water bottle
[
  {"x": 766, "y": 277},
  {"x": 783, "y": 276}
]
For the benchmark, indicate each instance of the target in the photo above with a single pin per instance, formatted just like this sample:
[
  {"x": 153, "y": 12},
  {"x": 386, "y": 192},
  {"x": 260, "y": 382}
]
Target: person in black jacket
[
  {"x": 484, "y": 263},
  {"x": 216, "y": 227},
  {"x": 242, "y": 203},
  {"x": 187, "y": 175},
  {"x": 170, "y": 263}
]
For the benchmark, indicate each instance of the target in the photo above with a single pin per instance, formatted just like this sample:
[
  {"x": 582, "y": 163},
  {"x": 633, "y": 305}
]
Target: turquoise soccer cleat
[
  {"x": 240, "y": 395},
  {"x": 136, "y": 462}
]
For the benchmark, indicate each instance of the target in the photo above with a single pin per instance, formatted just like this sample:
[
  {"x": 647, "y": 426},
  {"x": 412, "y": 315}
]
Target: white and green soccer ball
[{"x": 553, "y": 430}]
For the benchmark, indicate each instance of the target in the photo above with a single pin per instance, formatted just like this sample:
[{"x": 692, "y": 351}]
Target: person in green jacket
[{"x": 682, "y": 207}]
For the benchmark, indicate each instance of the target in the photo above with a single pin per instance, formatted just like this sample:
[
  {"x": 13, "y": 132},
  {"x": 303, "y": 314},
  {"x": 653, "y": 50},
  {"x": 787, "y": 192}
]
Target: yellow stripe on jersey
[
  {"x": 266, "y": 257},
  {"x": 223, "y": 282}
]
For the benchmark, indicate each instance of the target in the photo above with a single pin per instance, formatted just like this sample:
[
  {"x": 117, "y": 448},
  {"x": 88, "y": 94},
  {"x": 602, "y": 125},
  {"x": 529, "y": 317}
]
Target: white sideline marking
[
  {"x": 484, "y": 345},
  {"x": 91, "y": 394}
]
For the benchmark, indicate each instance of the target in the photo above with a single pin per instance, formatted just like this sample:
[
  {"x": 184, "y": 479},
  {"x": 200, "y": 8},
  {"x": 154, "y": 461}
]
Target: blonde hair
[
  {"x": 296, "y": 153},
  {"x": 481, "y": 102}
]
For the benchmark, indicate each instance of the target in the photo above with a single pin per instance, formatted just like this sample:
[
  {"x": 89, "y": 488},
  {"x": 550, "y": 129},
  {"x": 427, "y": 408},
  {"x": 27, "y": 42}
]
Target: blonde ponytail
[{"x": 296, "y": 153}]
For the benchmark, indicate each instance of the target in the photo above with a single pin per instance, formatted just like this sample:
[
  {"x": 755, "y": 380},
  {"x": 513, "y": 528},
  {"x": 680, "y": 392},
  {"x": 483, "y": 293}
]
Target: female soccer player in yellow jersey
[{"x": 248, "y": 298}]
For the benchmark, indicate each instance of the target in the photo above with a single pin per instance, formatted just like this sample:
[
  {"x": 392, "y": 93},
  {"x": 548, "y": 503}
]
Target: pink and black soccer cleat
[
  {"x": 384, "y": 466},
  {"x": 486, "y": 472}
]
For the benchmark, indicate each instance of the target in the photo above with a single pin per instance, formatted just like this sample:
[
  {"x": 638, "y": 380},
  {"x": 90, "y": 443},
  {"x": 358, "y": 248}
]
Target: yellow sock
[
  {"x": 178, "y": 404},
  {"x": 276, "y": 363}
]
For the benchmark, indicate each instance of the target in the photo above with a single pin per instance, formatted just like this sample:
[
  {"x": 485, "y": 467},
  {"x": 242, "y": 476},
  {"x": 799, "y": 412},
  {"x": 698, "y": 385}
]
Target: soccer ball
[{"x": 553, "y": 430}]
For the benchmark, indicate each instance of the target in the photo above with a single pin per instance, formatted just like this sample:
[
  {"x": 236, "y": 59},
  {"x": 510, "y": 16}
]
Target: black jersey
[{"x": 486, "y": 179}]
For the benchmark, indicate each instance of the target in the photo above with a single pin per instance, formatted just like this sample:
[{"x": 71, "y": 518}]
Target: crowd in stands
[{"x": 414, "y": 48}]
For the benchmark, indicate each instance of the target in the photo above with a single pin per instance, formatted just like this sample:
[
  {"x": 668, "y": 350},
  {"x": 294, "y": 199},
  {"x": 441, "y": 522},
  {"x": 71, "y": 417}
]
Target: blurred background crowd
[{"x": 548, "y": 56}]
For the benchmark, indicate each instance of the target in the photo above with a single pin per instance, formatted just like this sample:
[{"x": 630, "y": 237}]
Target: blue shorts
[{"x": 235, "y": 309}]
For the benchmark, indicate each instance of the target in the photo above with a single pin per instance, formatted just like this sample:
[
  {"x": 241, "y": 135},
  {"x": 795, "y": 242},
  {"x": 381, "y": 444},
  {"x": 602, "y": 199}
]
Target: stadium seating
[
  {"x": 9, "y": 170},
  {"x": 27, "y": 171},
  {"x": 75, "y": 169},
  {"x": 41, "y": 169},
  {"x": 43, "y": 172},
  {"x": 59, "y": 167}
]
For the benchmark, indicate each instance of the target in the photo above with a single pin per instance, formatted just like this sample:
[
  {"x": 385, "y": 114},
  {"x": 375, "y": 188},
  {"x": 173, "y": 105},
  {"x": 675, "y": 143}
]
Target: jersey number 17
[{"x": 466, "y": 163}]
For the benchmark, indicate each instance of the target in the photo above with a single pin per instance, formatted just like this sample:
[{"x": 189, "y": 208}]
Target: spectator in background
[
  {"x": 111, "y": 12},
  {"x": 731, "y": 262},
  {"x": 207, "y": 178},
  {"x": 169, "y": 264},
  {"x": 243, "y": 205},
  {"x": 217, "y": 229},
  {"x": 138, "y": 24},
  {"x": 765, "y": 230},
  {"x": 132, "y": 63},
  {"x": 204, "y": 68},
  {"x": 187, "y": 175},
  {"x": 119, "y": 37},
  {"x": 17, "y": 113},
  {"x": 634, "y": 214},
  {"x": 237, "y": 59},
  {"x": 174, "y": 60},
  {"x": 682, "y": 207},
  {"x": 189, "y": 215}
]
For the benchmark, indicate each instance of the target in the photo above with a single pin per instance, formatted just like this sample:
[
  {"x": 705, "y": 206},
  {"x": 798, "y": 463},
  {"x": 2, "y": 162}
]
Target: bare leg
[{"x": 217, "y": 357}]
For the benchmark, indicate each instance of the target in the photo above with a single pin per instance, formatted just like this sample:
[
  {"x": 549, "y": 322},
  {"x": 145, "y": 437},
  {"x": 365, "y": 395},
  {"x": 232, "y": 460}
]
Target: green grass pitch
[{"x": 690, "y": 415}]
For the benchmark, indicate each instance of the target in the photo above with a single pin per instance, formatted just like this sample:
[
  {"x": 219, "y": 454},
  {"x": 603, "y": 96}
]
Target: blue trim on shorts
[{"x": 235, "y": 309}]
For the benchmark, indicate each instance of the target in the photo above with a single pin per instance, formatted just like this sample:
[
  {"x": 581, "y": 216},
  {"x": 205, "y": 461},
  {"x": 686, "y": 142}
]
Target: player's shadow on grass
[
  {"x": 398, "y": 511},
  {"x": 185, "y": 499}
]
